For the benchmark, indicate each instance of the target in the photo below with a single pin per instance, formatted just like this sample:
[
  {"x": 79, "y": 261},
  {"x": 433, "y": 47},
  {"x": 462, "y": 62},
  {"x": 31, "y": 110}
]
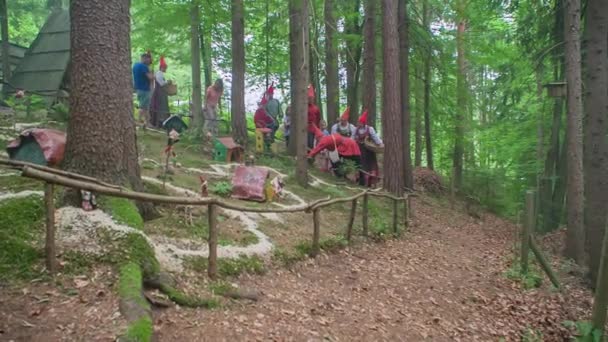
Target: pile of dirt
[{"x": 427, "y": 180}]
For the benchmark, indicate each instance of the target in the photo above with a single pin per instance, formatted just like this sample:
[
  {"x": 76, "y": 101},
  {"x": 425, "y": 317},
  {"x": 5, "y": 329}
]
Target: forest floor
[{"x": 449, "y": 277}]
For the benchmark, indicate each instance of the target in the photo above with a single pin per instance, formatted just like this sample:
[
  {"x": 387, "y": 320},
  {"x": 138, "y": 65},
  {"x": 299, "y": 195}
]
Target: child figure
[{"x": 324, "y": 127}]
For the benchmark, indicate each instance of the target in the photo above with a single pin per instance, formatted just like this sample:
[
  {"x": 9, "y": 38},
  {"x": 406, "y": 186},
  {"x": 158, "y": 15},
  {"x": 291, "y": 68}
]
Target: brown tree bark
[
  {"x": 313, "y": 59},
  {"x": 299, "y": 77},
  {"x": 461, "y": 106},
  {"x": 405, "y": 91},
  {"x": 239, "y": 123},
  {"x": 206, "y": 55},
  {"x": 6, "y": 58},
  {"x": 575, "y": 236},
  {"x": 195, "y": 48},
  {"x": 392, "y": 123},
  {"x": 352, "y": 63},
  {"x": 596, "y": 128},
  {"x": 105, "y": 149},
  {"x": 369, "y": 61},
  {"x": 426, "y": 14},
  {"x": 331, "y": 64},
  {"x": 419, "y": 115}
]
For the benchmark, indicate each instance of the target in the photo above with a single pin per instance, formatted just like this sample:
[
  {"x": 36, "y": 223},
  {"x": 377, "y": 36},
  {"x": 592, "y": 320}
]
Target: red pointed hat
[
  {"x": 163, "y": 63},
  {"x": 270, "y": 89},
  {"x": 363, "y": 118},
  {"x": 346, "y": 115},
  {"x": 264, "y": 100},
  {"x": 317, "y": 131},
  {"x": 311, "y": 91}
]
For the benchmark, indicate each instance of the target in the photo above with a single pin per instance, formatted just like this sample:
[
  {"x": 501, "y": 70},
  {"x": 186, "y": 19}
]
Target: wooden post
[
  {"x": 600, "y": 302},
  {"x": 406, "y": 212},
  {"x": 543, "y": 262},
  {"x": 316, "y": 232},
  {"x": 212, "y": 260},
  {"x": 351, "y": 221},
  {"x": 527, "y": 229},
  {"x": 51, "y": 262},
  {"x": 395, "y": 217},
  {"x": 364, "y": 215}
]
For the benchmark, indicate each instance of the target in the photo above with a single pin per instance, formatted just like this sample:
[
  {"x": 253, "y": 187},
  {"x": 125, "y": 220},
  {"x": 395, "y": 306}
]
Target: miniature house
[{"x": 226, "y": 150}]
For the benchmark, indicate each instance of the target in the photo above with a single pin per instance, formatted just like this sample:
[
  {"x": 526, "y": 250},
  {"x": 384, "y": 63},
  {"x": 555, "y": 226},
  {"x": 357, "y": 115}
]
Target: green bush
[{"x": 223, "y": 189}]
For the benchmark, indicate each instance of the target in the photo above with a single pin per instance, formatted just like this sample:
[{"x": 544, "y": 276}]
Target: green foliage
[
  {"x": 530, "y": 280},
  {"x": 585, "y": 331},
  {"x": 220, "y": 287},
  {"x": 140, "y": 330},
  {"x": 348, "y": 167},
  {"x": 20, "y": 227},
  {"x": 328, "y": 244},
  {"x": 189, "y": 301},
  {"x": 130, "y": 284},
  {"x": 532, "y": 335},
  {"x": 123, "y": 211},
  {"x": 222, "y": 188},
  {"x": 60, "y": 112},
  {"x": 76, "y": 262},
  {"x": 228, "y": 267},
  {"x": 287, "y": 258}
]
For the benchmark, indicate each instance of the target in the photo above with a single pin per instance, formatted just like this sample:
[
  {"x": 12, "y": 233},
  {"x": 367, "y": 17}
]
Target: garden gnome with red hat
[
  {"x": 344, "y": 127},
  {"x": 262, "y": 119},
  {"x": 159, "y": 104},
  {"x": 347, "y": 149},
  {"x": 314, "y": 116},
  {"x": 369, "y": 163}
]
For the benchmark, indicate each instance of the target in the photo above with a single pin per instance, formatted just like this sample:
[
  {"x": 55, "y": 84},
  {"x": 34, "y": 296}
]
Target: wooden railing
[{"x": 53, "y": 177}]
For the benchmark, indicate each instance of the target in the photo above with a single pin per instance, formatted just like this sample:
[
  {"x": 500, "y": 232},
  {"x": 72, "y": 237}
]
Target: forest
[{"x": 493, "y": 112}]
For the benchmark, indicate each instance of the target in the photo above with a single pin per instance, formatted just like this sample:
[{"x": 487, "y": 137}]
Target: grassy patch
[
  {"x": 223, "y": 189},
  {"x": 287, "y": 258},
  {"x": 76, "y": 262},
  {"x": 328, "y": 244},
  {"x": 140, "y": 330},
  {"x": 20, "y": 223},
  {"x": 17, "y": 183},
  {"x": 130, "y": 284},
  {"x": 220, "y": 287},
  {"x": 123, "y": 211},
  {"x": 530, "y": 280},
  {"x": 190, "y": 301},
  {"x": 228, "y": 267}
]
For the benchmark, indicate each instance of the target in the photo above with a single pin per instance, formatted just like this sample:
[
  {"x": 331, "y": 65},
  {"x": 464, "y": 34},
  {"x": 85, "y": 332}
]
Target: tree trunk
[
  {"x": 575, "y": 238},
  {"x": 197, "y": 102},
  {"x": 596, "y": 128},
  {"x": 205, "y": 56},
  {"x": 405, "y": 91},
  {"x": 299, "y": 77},
  {"x": 104, "y": 149},
  {"x": 352, "y": 60},
  {"x": 239, "y": 123},
  {"x": 461, "y": 106},
  {"x": 331, "y": 64},
  {"x": 313, "y": 58},
  {"x": 427, "y": 87},
  {"x": 419, "y": 115},
  {"x": 6, "y": 57},
  {"x": 369, "y": 61},
  {"x": 559, "y": 192},
  {"x": 550, "y": 173},
  {"x": 392, "y": 123}
]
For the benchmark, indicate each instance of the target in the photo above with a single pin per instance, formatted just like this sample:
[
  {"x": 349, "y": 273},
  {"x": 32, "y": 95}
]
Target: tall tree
[
  {"x": 352, "y": 58},
  {"x": 6, "y": 58},
  {"x": 461, "y": 96},
  {"x": 575, "y": 239},
  {"x": 391, "y": 101},
  {"x": 405, "y": 91},
  {"x": 239, "y": 123},
  {"x": 419, "y": 91},
  {"x": 596, "y": 128},
  {"x": 195, "y": 48},
  {"x": 299, "y": 54},
  {"x": 331, "y": 63},
  {"x": 369, "y": 61},
  {"x": 427, "y": 85},
  {"x": 105, "y": 149},
  {"x": 205, "y": 55}
]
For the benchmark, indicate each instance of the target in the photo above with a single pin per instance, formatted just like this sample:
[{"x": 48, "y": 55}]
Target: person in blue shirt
[{"x": 142, "y": 82}]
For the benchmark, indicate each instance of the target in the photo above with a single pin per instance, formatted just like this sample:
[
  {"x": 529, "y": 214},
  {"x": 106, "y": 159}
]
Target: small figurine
[
  {"x": 88, "y": 200},
  {"x": 204, "y": 184}
]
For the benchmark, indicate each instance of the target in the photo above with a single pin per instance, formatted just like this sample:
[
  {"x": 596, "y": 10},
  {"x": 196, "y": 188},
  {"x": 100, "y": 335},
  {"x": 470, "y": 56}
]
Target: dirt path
[{"x": 442, "y": 282}]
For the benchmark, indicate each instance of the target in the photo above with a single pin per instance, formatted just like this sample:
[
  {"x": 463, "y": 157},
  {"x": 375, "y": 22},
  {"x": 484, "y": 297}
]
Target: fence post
[
  {"x": 406, "y": 212},
  {"x": 316, "y": 233},
  {"x": 527, "y": 229},
  {"x": 395, "y": 217},
  {"x": 351, "y": 221},
  {"x": 51, "y": 262},
  {"x": 364, "y": 215},
  {"x": 212, "y": 260}
]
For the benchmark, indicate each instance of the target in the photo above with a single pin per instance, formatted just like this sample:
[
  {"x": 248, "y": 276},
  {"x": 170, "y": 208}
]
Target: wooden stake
[
  {"x": 351, "y": 221},
  {"x": 51, "y": 262},
  {"x": 527, "y": 229},
  {"x": 406, "y": 213},
  {"x": 543, "y": 262},
  {"x": 600, "y": 302},
  {"x": 395, "y": 217},
  {"x": 316, "y": 232},
  {"x": 364, "y": 216},
  {"x": 212, "y": 260}
]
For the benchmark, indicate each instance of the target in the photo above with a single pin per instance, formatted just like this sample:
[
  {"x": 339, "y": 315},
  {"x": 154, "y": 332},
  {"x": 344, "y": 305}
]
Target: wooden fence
[{"x": 53, "y": 177}]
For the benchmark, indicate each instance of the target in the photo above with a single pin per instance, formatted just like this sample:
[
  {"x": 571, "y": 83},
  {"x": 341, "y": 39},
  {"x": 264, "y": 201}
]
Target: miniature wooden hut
[{"x": 225, "y": 149}]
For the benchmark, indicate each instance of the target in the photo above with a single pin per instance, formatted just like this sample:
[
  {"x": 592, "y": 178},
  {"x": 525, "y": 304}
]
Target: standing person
[
  {"x": 142, "y": 82},
  {"x": 262, "y": 119},
  {"x": 314, "y": 116},
  {"x": 273, "y": 106},
  {"x": 369, "y": 162},
  {"x": 159, "y": 104},
  {"x": 343, "y": 127},
  {"x": 347, "y": 149},
  {"x": 212, "y": 101},
  {"x": 287, "y": 125}
]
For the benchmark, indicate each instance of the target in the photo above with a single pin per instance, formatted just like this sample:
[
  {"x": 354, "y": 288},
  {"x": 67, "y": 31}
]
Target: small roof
[
  {"x": 45, "y": 63},
  {"x": 229, "y": 142}
]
